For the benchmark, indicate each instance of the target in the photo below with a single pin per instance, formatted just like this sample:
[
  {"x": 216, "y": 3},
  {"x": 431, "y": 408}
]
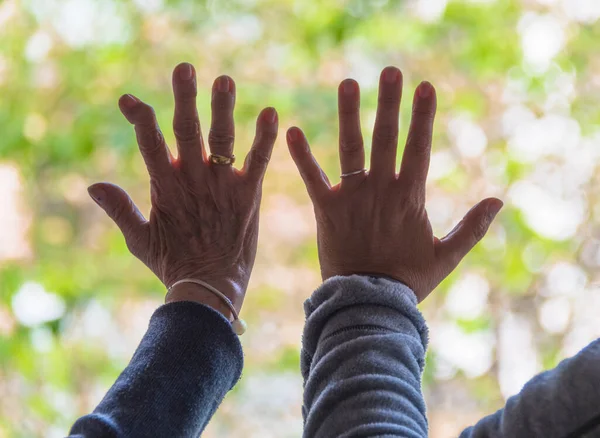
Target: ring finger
[
  {"x": 222, "y": 131},
  {"x": 352, "y": 151}
]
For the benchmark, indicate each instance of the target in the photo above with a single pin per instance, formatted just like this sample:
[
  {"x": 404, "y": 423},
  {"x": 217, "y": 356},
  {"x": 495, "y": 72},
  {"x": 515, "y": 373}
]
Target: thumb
[
  {"x": 121, "y": 209},
  {"x": 451, "y": 249}
]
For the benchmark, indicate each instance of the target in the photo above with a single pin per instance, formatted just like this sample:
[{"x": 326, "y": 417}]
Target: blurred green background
[{"x": 518, "y": 83}]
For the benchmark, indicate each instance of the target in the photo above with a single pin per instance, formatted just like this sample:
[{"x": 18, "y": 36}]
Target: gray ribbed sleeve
[{"x": 363, "y": 353}]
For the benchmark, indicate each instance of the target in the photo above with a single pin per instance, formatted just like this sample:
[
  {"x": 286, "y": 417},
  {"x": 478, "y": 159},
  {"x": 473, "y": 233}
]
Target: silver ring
[{"x": 356, "y": 172}]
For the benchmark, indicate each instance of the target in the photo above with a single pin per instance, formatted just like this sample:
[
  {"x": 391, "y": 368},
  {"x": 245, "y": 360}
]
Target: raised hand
[
  {"x": 375, "y": 222},
  {"x": 204, "y": 218}
]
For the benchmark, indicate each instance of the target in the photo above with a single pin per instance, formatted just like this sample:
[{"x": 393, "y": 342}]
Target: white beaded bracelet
[{"x": 239, "y": 325}]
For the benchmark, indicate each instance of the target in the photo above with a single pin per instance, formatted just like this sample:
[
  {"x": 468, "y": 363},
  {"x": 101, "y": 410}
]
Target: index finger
[
  {"x": 258, "y": 158},
  {"x": 314, "y": 178},
  {"x": 152, "y": 144},
  {"x": 415, "y": 160}
]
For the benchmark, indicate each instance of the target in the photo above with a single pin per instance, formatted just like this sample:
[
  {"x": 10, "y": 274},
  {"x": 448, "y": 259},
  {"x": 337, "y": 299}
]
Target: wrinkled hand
[
  {"x": 204, "y": 218},
  {"x": 375, "y": 222}
]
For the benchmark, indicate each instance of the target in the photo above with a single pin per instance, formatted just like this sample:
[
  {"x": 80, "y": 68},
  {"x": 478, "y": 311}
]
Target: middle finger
[
  {"x": 385, "y": 132},
  {"x": 186, "y": 125}
]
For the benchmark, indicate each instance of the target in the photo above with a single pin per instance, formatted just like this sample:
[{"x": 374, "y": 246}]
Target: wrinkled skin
[
  {"x": 204, "y": 218},
  {"x": 375, "y": 222}
]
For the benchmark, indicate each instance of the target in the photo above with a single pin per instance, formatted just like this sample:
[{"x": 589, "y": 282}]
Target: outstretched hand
[
  {"x": 375, "y": 222},
  {"x": 204, "y": 218}
]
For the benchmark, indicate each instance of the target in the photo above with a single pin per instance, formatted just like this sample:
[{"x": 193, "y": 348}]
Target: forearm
[
  {"x": 363, "y": 354},
  {"x": 560, "y": 403},
  {"x": 187, "y": 361}
]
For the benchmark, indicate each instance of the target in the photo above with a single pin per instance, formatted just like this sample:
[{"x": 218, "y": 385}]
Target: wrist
[
  {"x": 198, "y": 294},
  {"x": 326, "y": 274}
]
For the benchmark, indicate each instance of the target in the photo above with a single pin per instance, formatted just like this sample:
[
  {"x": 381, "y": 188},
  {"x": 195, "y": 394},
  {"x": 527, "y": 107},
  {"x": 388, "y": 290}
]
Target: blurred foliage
[{"x": 63, "y": 66}]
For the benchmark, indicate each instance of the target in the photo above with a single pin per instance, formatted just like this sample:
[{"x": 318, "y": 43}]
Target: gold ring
[{"x": 221, "y": 159}]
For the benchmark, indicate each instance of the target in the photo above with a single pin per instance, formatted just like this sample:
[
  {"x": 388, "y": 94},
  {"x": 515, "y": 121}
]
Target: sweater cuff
[
  {"x": 344, "y": 302},
  {"x": 171, "y": 325}
]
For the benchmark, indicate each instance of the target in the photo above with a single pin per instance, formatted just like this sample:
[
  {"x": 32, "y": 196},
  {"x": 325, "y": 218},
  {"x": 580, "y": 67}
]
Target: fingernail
[
  {"x": 97, "y": 194},
  {"x": 270, "y": 115},
  {"x": 424, "y": 90},
  {"x": 349, "y": 87},
  {"x": 494, "y": 207},
  {"x": 223, "y": 84},
  {"x": 292, "y": 135},
  {"x": 185, "y": 72},
  {"x": 129, "y": 101},
  {"x": 391, "y": 75}
]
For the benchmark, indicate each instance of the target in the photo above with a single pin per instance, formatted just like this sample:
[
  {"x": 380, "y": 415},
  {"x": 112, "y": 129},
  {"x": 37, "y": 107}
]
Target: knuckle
[
  {"x": 268, "y": 136},
  {"x": 122, "y": 210},
  {"x": 423, "y": 112},
  {"x": 351, "y": 145},
  {"x": 151, "y": 139},
  {"x": 148, "y": 132},
  {"x": 259, "y": 158},
  {"x": 220, "y": 137},
  {"x": 186, "y": 93},
  {"x": 386, "y": 135},
  {"x": 388, "y": 100},
  {"x": 479, "y": 230},
  {"x": 420, "y": 143},
  {"x": 186, "y": 130}
]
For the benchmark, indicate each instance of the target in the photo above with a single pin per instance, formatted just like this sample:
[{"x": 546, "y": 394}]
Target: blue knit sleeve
[{"x": 185, "y": 364}]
